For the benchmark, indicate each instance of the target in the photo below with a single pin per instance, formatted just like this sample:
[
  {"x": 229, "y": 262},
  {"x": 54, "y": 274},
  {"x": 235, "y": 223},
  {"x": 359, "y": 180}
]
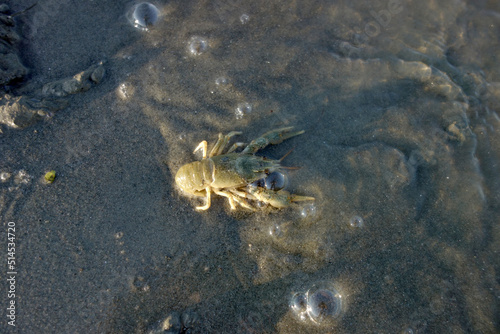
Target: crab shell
[{"x": 233, "y": 170}]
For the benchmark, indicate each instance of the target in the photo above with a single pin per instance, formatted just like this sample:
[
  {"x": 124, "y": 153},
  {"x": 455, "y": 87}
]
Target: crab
[{"x": 231, "y": 174}]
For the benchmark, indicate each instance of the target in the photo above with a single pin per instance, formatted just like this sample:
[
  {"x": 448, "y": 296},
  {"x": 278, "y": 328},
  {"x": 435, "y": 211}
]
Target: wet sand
[{"x": 401, "y": 147}]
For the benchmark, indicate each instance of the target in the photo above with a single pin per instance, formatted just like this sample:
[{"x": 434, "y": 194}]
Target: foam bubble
[
  {"x": 22, "y": 177},
  {"x": 243, "y": 109}
]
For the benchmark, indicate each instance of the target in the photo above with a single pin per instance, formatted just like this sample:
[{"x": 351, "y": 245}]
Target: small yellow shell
[{"x": 50, "y": 176}]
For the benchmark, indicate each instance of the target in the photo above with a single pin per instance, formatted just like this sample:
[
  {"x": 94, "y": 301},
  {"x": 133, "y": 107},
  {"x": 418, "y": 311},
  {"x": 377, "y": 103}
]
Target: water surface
[{"x": 399, "y": 103}]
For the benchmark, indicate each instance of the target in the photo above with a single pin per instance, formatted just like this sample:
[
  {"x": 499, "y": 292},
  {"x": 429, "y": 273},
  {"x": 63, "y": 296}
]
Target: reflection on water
[{"x": 399, "y": 101}]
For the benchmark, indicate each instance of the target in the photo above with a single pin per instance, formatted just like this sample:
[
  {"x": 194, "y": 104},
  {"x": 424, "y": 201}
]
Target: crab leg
[
  {"x": 234, "y": 147},
  {"x": 203, "y": 147},
  {"x": 271, "y": 138},
  {"x": 228, "y": 196},
  {"x": 232, "y": 198},
  {"x": 221, "y": 143},
  {"x": 243, "y": 194},
  {"x": 208, "y": 201},
  {"x": 240, "y": 195}
]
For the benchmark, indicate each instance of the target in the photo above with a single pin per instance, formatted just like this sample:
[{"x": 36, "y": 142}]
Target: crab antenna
[
  {"x": 24, "y": 10},
  {"x": 291, "y": 167},
  {"x": 286, "y": 154}
]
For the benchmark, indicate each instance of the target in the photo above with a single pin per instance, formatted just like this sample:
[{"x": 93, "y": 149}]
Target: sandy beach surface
[{"x": 399, "y": 101}]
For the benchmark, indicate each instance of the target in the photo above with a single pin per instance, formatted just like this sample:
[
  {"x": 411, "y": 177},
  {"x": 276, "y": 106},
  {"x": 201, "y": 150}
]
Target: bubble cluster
[
  {"x": 243, "y": 109},
  {"x": 125, "y": 91},
  {"x": 321, "y": 304},
  {"x": 197, "y": 45},
  {"x": 144, "y": 15},
  {"x": 356, "y": 222},
  {"x": 22, "y": 177},
  {"x": 16, "y": 179}
]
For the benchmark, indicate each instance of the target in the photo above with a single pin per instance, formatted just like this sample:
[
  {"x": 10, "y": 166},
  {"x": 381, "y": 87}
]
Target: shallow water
[{"x": 399, "y": 101}]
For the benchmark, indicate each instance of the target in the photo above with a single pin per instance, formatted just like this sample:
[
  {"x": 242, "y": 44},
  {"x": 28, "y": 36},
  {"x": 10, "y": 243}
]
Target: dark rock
[
  {"x": 11, "y": 68},
  {"x": 80, "y": 82},
  {"x": 21, "y": 112}
]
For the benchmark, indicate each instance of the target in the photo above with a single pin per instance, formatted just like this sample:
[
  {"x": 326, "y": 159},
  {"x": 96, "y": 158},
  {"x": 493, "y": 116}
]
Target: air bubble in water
[
  {"x": 323, "y": 305},
  {"x": 144, "y": 15},
  {"x": 308, "y": 211},
  {"x": 197, "y": 45},
  {"x": 357, "y": 222},
  {"x": 276, "y": 230},
  {"x": 4, "y": 176},
  {"x": 273, "y": 181},
  {"x": 298, "y": 305},
  {"x": 221, "y": 81},
  {"x": 276, "y": 181},
  {"x": 244, "y": 18},
  {"x": 261, "y": 183}
]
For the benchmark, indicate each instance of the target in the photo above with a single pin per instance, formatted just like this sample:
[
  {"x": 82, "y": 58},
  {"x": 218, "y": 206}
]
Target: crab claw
[
  {"x": 271, "y": 138},
  {"x": 279, "y": 199}
]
